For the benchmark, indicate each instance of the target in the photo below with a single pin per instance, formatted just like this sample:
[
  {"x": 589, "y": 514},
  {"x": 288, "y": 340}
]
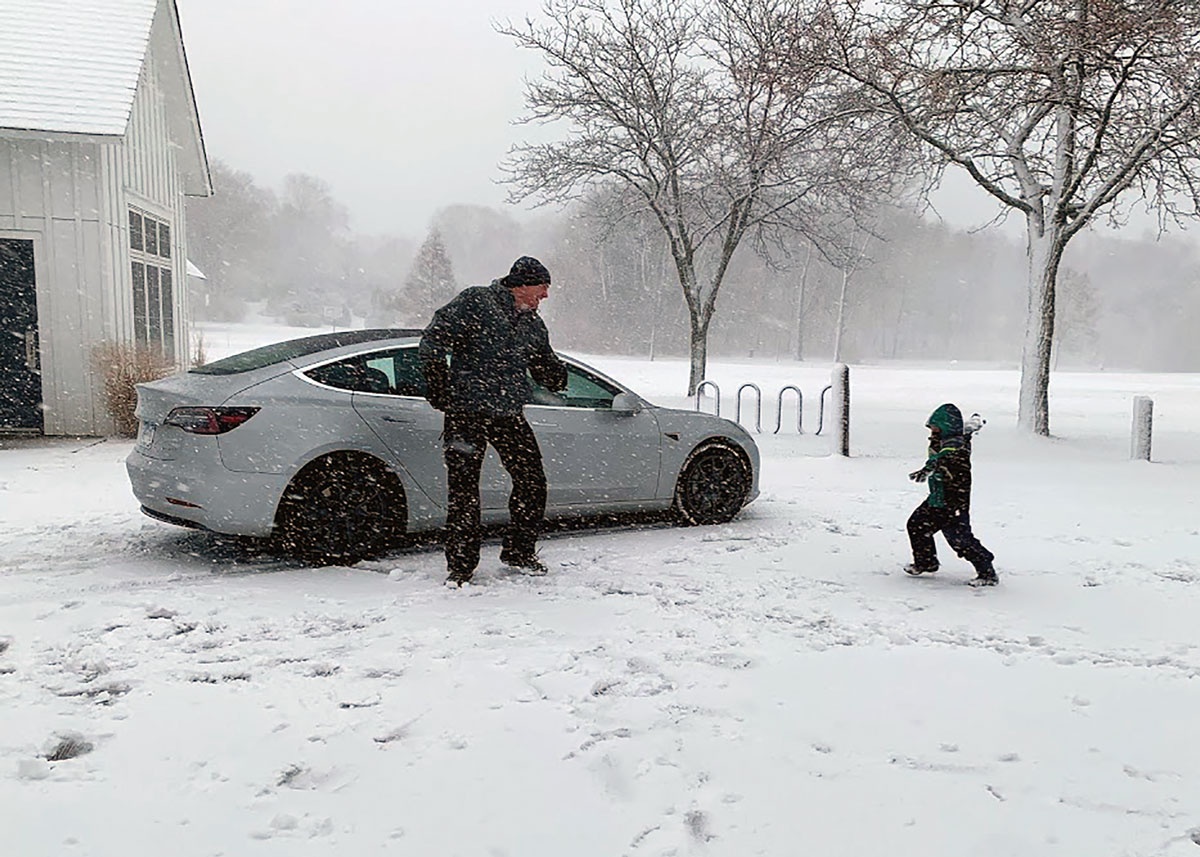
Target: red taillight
[{"x": 209, "y": 420}]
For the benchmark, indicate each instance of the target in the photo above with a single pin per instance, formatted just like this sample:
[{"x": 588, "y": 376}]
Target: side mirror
[{"x": 626, "y": 404}]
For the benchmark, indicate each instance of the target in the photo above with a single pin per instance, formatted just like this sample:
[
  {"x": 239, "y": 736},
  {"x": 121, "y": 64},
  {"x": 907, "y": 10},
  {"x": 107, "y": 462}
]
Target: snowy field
[{"x": 775, "y": 686}]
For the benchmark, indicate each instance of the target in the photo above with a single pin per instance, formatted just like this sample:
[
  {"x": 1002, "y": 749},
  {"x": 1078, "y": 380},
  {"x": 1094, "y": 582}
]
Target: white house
[{"x": 99, "y": 144}]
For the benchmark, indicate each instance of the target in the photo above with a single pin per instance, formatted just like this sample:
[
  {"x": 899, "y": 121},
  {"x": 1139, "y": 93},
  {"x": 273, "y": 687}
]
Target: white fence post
[
  {"x": 1143, "y": 423},
  {"x": 841, "y": 409}
]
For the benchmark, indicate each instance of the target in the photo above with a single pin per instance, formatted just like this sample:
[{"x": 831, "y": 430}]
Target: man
[{"x": 475, "y": 355}]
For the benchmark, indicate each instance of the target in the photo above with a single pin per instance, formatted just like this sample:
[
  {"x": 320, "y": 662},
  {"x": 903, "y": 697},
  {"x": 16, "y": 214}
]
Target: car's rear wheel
[
  {"x": 713, "y": 486},
  {"x": 340, "y": 509}
]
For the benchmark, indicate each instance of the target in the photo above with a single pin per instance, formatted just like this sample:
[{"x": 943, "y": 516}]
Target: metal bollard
[
  {"x": 841, "y": 409},
  {"x": 1143, "y": 425}
]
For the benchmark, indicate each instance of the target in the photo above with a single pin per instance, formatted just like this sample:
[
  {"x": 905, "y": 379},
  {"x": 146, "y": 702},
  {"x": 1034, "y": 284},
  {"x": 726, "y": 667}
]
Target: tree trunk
[
  {"x": 899, "y": 321},
  {"x": 654, "y": 321},
  {"x": 1043, "y": 253},
  {"x": 700, "y": 313},
  {"x": 699, "y": 351},
  {"x": 799, "y": 349},
  {"x": 841, "y": 318}
]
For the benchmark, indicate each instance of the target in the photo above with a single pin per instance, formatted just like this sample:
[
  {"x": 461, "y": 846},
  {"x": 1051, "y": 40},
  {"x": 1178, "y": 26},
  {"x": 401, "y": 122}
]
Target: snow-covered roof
[{"x": 71, "y": 66}]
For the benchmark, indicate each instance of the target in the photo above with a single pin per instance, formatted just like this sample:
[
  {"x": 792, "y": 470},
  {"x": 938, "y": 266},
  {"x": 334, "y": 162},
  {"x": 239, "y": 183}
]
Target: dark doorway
[{"x": 20, "y": 355}]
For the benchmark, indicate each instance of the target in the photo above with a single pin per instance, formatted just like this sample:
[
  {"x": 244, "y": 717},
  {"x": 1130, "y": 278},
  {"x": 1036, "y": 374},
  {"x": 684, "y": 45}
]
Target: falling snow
[{"x": 773, "y": 686}]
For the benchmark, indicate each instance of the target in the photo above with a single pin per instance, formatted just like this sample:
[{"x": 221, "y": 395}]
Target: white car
[{"x": 328, "y": 443}]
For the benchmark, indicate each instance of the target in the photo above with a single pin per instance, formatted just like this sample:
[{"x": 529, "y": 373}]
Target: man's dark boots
[{"x": 526, "y": 563}]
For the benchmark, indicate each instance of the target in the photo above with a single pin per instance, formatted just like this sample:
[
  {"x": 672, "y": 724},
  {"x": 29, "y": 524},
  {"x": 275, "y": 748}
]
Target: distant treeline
[{"x": 919, "y": 290}]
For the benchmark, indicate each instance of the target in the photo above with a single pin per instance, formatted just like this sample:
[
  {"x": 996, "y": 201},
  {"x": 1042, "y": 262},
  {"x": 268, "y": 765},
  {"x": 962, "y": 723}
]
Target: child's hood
[{"x": 947, "y": 419}]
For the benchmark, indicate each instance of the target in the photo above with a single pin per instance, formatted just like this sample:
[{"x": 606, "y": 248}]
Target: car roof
[{"x": 282, "y": 352}]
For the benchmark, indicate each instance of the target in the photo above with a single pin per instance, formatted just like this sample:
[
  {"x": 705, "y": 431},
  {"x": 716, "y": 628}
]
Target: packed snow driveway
[{"x": 756, "y": 688}]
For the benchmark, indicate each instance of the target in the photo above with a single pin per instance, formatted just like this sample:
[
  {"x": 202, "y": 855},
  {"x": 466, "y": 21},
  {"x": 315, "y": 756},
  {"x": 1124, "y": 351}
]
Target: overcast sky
[{"x": 403, "y": 106}]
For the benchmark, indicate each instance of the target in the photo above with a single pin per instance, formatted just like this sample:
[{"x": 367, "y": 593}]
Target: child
[{"x": 948, "y": 507}]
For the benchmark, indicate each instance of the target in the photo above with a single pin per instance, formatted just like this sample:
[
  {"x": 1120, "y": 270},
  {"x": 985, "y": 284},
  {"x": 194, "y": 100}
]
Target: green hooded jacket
[{"x": 948, "y": 465}]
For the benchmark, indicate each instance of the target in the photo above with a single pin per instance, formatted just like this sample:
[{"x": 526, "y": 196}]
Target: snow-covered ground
[{"x": 775, "y": 686}]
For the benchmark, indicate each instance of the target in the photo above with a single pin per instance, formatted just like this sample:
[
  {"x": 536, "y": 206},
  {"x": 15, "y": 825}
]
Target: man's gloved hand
[
  {"x": 919, "y": 475},
  {"x": 973, "y": 424}
]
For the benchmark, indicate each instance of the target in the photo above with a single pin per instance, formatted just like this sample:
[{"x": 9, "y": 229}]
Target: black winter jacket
[{"x": 477, "y": 350}]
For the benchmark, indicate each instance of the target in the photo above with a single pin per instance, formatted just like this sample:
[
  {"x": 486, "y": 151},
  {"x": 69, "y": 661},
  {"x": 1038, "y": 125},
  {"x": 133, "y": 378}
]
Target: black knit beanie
[{"x": 527, "y": 271}]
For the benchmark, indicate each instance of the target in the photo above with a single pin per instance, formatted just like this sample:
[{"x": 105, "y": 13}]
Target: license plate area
[{"x": 145, "y": 438}]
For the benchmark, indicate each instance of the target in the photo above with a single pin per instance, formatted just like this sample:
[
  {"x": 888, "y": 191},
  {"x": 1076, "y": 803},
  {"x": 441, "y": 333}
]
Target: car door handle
[{"x": 388, "y": 418}]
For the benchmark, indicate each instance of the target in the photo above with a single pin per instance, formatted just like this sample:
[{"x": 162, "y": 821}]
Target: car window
[
  {"x": 396, "y": 372},
  {"x": 402, "y": 366},
  {"x": 351, "y": 374},
  {"x": 583, "y": 391}
]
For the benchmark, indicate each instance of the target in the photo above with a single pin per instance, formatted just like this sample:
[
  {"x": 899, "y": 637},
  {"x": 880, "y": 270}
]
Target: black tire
[
  {"x": 341, "y": 509},
  {"x": 713, "y": 486}
]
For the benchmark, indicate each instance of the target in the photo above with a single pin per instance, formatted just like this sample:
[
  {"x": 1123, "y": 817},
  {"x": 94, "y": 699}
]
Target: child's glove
[
  {"x": 919, "y": 475},
  {"x": 973, "y": 424}
]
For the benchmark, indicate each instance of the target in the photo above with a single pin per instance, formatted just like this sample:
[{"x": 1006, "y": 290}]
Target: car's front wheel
[
  {"x": 340, "y": 509},
  {"x": 713, "y": 486}
]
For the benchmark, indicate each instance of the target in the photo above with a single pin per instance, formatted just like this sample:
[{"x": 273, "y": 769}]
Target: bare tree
[
  {"x": 801, "y": 289},
  {"x": 1079, "y": 309},
  {"x": 1062, "y": 110},
  {"x": 685, "y": 104},
  {"x": 848, "y": 267},
  {"x": 311, "y": 229},
  {"x": 481, "y": 242},
  {"x": 229, "y": 237}
]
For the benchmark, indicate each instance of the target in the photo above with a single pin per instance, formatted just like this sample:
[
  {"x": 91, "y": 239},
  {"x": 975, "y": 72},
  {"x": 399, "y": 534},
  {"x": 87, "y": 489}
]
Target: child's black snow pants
[{"x": 955, "y": 526}]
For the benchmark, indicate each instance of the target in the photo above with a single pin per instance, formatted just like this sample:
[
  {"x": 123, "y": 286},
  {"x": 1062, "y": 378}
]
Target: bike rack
[
  {"x": 737, "y": 413},
  {"x": 821, "y": 410},
  {"x": 716, "y": 394},
  {"x": 799, "y": 409},
  {"x": 737, "y": 416}
]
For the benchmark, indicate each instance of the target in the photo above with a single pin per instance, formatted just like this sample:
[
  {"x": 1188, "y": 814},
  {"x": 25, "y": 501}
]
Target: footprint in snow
[
  {"x": 303, "y": 778},
  {"x": 67, "y": 746},
  {"x": 102, "y": 694},
  {"x": 727, "y": 660},
  {"x": 698, "y": 824}
]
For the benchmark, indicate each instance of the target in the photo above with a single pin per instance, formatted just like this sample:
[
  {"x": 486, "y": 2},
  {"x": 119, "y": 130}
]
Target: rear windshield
[{"x": 279, "y": 352}]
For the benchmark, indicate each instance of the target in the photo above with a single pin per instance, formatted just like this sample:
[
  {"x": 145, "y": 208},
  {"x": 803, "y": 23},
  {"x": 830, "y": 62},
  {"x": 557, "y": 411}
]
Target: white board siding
[
  {"x": 115, "y": 253},
  {"x": 51, "y": 192},
  {"x": 150, "y": 179},
  {"x": 150, "y": 170}
]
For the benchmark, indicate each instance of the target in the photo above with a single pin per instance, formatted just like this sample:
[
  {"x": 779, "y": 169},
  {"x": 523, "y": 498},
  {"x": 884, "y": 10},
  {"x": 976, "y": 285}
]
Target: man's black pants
[
  {"x": 955, "y": 526},
  {"x": 465, "y": 438}
]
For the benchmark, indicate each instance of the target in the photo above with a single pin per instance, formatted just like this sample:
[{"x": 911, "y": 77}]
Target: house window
[{"x": 153, "y": 303}]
